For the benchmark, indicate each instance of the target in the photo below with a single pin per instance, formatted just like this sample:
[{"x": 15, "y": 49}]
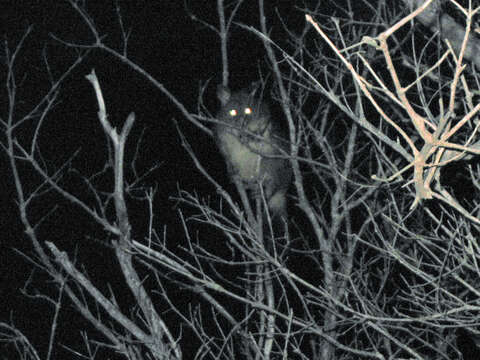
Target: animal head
[{"x": 244, "y": 109}]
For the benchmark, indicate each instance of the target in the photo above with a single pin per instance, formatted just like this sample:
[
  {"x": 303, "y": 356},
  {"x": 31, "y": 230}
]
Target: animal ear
[
  {"x": 223, "y": 94},
  {"x": 253, "y": 88}
]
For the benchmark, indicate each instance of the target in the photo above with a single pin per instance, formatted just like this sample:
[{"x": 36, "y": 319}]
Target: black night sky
[
  {"x": 174, "y": 43},
  {"x": 180, "y": 53}
]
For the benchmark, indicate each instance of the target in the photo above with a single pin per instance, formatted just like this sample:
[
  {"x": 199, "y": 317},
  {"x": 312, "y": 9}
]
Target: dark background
[{"x": 184, "y": 56}]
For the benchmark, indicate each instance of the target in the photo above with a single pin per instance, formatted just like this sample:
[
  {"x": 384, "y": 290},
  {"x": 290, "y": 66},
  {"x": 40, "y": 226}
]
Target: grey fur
[{"x": 253, "y": 145}]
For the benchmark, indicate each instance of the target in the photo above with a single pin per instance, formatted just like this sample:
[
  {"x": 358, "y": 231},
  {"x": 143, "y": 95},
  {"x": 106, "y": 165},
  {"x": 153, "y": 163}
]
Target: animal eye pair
[{"x": 246, "y": 111}]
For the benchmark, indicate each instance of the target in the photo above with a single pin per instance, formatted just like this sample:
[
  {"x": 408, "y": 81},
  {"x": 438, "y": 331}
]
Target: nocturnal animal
[{"x": 254, "y": 146}]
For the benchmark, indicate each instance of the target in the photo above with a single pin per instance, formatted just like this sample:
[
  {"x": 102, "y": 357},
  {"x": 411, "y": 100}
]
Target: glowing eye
[
  {"x": 248, "y": 111},
  {"x": 233, "y": 112}
]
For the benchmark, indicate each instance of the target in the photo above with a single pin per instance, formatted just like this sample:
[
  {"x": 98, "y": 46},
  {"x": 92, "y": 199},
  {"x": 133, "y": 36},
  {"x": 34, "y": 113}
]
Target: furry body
[{"x": 254, "y": 146}]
